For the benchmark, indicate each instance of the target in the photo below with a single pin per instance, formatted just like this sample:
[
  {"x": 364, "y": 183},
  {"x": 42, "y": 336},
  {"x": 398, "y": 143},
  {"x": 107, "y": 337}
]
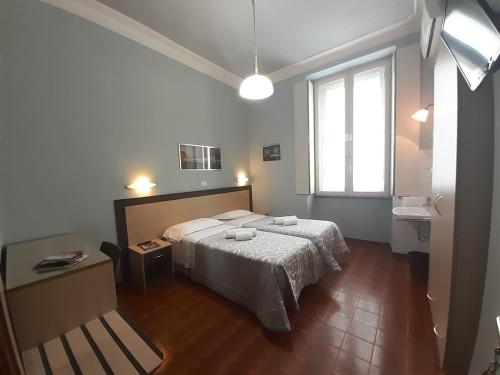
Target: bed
[
  {"x": 265, "y": 274},
  {"x": 325, "y": 235}
]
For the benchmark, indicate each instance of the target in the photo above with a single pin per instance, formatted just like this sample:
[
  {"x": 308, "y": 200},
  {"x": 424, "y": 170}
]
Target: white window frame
[{"x": 348, "y": 76}]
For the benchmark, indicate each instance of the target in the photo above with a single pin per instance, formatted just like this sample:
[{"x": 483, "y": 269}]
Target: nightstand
[{"x": 147, "y": 264}]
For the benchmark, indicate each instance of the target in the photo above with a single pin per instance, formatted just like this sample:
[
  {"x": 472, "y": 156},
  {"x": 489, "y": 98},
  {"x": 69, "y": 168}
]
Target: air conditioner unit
[{"x": 432, "y": 20}]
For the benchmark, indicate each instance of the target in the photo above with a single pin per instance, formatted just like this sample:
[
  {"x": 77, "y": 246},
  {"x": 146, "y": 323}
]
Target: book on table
[
  {"x": 148, "y": 245},
  {"x": 60, "y": 261}
]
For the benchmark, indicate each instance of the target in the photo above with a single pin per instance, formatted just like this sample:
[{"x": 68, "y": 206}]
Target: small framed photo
[
  {"x": 197, "y": 157},
  {"x": 270, "y": 153}
]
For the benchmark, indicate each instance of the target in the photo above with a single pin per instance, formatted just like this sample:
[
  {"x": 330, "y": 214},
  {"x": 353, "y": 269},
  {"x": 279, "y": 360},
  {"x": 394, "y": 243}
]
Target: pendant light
[{"x": 256, "y": 86}]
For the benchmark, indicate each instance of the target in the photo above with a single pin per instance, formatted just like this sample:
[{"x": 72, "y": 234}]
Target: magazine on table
[
  {"x": 60, "y": 261},
  {"x": 148, "y": 245}
]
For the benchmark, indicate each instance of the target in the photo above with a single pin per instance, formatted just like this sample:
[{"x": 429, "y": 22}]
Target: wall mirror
[{"x": 197, "y": 157}]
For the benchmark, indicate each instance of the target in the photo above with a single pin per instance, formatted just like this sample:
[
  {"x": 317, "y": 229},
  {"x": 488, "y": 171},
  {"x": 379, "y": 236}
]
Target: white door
[{"x": 443, "y": 190}]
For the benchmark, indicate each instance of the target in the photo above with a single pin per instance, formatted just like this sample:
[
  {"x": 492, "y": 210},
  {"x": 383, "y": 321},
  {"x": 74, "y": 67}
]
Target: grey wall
[
  {"x": 487, "y": 338},
  {"x": 363, "y": 218},
  {"x": 90, "y": 110},
  {"x": 271, "y": 121}
]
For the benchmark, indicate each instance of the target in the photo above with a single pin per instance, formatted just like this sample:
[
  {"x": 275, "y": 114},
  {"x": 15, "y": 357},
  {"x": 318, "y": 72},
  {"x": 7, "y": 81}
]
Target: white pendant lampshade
[{"x": 256, "y": 86}]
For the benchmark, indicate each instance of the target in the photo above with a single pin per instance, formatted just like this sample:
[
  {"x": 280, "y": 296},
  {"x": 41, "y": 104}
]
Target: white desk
[{"x": 45, "y": 305}]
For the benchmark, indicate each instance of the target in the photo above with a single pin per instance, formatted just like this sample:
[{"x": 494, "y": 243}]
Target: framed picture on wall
[
  {"x": 197, "y": 157},
  {"x": 270, "y": 153}
]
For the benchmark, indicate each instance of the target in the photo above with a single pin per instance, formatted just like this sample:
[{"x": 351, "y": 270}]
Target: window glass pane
[
  {"x": 331, "y": 136},
  {"x": 369, "y": 130}
]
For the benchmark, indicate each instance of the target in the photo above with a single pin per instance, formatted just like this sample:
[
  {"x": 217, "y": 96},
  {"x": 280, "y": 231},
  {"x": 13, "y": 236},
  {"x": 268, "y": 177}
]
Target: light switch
[{"x": 204, "y": 183}]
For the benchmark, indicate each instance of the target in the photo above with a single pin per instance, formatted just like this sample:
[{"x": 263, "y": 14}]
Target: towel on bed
[
  {"x": 231, "y": 233},
  {"x": 286, "y": 220},
  {"x": 243, "y": 236}
]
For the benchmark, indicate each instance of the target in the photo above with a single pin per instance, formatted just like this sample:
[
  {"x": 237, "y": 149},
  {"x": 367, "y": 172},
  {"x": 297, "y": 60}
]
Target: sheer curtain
[
  {"x": 331, "y": 135},
  {"x": 368, "y": 131}
]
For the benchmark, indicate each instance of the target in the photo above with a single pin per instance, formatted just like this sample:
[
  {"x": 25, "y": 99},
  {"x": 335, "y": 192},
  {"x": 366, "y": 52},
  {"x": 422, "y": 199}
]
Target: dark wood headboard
[{"x": 145, "y": 218}]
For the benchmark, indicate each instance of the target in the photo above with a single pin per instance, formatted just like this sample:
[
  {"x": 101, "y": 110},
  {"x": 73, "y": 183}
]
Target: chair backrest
[{"x": 114, "y": 252}]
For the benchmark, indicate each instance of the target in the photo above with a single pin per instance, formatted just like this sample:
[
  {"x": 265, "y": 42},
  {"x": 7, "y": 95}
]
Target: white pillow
[
  {"x": 231, "y": 215},
  {"x": 177, "y": 232}
]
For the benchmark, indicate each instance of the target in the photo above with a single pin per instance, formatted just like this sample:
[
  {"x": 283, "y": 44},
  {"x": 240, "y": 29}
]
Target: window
[{"x": 353, "y": 131}]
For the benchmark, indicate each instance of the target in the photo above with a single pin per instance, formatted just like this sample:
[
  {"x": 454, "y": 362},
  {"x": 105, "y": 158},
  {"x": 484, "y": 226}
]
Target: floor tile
[
  {"x": 393, "y": 323},
  {"x": 366, "y": 317},
  {"x": 347, "y": 299},
  {"x": 338, "y": 321},
  {"x": 369, "y": 305},
  {"x": 390, "y": 363},
  {"x": 342, "y": 309},
  {"x": 314, "y": 357},
  {"x": 348, "y": 364},
  {"x": 394, "y": 340},
  {"x": 352, "y": 289},
  {"x": 374, "y": 370},
  {"x": 362, "y": 331},
  {"x": 325, "y": 334},
  {"x": 358, "y": 347}
]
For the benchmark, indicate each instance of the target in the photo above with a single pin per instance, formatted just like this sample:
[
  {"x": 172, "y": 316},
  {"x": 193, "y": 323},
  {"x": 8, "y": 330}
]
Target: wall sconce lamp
[
  {"x": 142, "y": 185},
  {"x": 242, "y": 179},
  {"x": 422, "y": 114}
]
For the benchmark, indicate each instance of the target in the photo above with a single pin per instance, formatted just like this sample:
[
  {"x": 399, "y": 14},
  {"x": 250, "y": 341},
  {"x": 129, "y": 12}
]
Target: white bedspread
[{"x": 244, "y": 220}]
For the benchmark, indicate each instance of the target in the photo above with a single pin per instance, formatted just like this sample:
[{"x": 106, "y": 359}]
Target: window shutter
[{"x": 304, "y": 137}]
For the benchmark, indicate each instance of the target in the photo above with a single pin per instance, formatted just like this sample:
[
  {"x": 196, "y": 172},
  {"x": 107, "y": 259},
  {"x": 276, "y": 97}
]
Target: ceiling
[{"x": 288, "y": 31}]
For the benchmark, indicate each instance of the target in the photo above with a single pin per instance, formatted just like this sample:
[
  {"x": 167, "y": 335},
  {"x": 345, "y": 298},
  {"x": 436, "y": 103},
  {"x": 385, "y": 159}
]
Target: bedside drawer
[
  {"x": 156, "y": 256},
  {"x": 158, "y": 263},
  {"x": 147, "y": 265}
]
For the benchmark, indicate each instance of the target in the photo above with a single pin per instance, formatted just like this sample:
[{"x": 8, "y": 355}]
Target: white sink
[{"x": 412, "y": 213}]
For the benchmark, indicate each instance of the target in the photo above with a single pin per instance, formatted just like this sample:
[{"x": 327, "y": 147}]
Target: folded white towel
[
  {"x": 243, "y": 236},
  {"x": 231, "y": 233},
  {"x": 286, "y": 220},
  {"x": 279, "y": 220},
  {"x": 290, "y": 220},
  {"x": 253, "y": 230}
]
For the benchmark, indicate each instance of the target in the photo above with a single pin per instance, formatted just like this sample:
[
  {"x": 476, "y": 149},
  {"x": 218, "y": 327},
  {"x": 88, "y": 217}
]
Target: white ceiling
[{"x": 288, "y": 31}]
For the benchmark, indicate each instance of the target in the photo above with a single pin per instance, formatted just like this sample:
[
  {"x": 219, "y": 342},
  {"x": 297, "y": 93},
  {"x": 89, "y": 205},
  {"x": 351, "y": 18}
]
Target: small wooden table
[
  {"x": 143, "y": 263},
  {"x": 45, "y": 305}
]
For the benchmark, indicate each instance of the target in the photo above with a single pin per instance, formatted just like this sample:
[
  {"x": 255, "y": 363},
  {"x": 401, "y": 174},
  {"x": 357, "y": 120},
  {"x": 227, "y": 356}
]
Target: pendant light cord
[{"x": 254, "y": 40}]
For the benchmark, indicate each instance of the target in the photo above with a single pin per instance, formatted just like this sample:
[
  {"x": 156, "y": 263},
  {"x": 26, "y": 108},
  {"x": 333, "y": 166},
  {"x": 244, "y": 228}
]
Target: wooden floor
[{"x": 368, "y": 319}]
